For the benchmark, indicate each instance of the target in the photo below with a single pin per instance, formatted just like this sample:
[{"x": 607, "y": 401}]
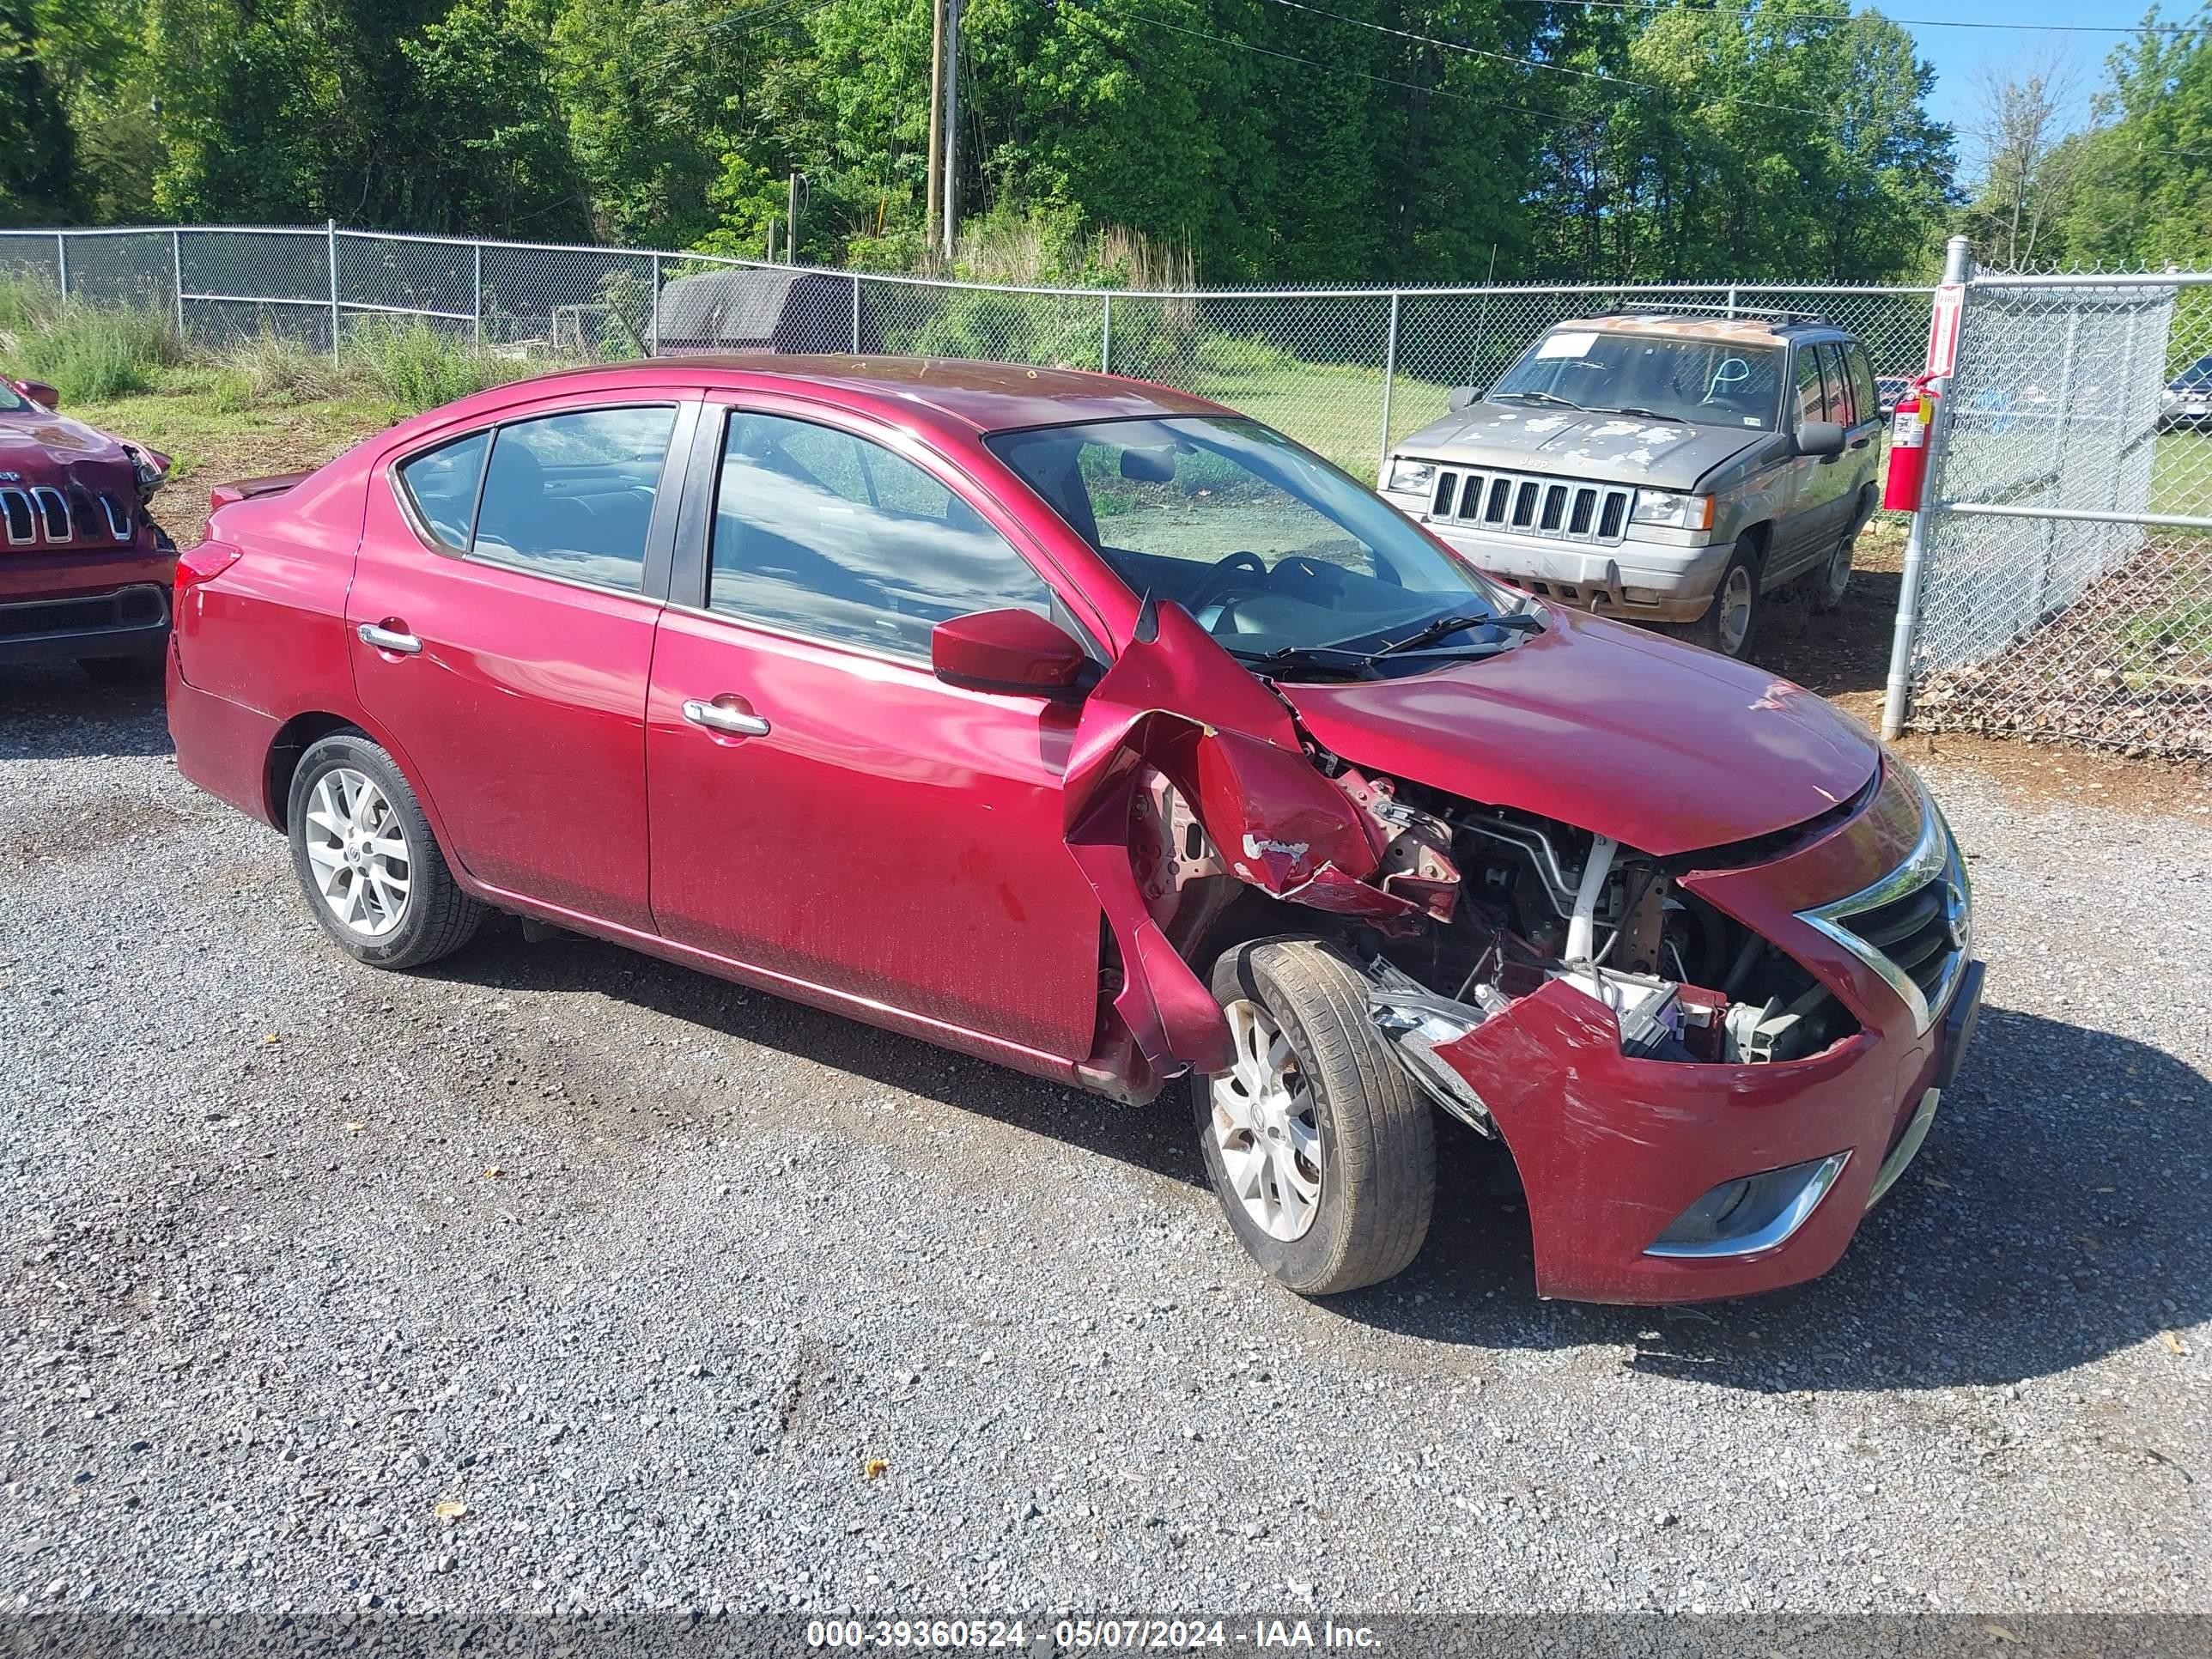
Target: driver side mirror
[
  {"x": 1820, "y": 438},
  {"x": 1007, "y": 651},
  {"x": 39, "y": 393}
]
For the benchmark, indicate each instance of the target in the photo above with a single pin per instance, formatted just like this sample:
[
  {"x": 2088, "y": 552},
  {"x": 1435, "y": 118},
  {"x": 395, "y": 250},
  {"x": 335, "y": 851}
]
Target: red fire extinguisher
[{"x": 1907, "y": 482}]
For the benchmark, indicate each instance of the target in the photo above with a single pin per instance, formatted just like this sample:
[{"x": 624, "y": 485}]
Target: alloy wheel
[
  {"x": 1737, "y": 596},
  {"x": 357, "y": 849},
  {"x": 1266, "y": 1126}
]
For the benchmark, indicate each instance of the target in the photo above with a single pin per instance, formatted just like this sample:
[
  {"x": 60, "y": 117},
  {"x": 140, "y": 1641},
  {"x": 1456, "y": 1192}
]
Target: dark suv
[{"x": 1659, "y": 468}]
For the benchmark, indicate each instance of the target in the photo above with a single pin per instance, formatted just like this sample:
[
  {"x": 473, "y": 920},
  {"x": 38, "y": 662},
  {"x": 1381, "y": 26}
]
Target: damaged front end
[{"x": 1678, "y": 1063}]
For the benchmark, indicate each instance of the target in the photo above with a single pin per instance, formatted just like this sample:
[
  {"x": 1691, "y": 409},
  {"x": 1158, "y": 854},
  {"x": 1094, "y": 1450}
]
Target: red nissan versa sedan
[
  {"x": 1094, "y": 729},
  {"x": 85, "y": 571}
]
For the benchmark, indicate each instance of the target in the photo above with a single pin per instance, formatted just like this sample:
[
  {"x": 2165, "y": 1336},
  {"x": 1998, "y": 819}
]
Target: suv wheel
[
  {"x": 1834, "y": 579},
  {"x": 366, "y": 858},
  {"x": 1731, "y": 621},
  {"x": 1321, "y": 1152}
]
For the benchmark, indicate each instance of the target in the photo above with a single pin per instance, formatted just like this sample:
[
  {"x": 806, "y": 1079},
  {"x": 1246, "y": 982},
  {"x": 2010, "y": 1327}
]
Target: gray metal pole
[
  {"x": 476, "y": 280},
  {"x": 856, "y": 314},
  {"x": 330, "y": 230},
  {"x": 791, "y": 237},
  {"x": 652, "y": 317},
  {"x": 1106, "y": 337},
  {"x": 61, "y": 261},
  {"x": 951, "y": 125},
  {"x": 1731, "y": 305},
  {"x": 1389, "y": 367},
  {"x": 1958, "y": 267},
  {"x": 176, "y": 271}
]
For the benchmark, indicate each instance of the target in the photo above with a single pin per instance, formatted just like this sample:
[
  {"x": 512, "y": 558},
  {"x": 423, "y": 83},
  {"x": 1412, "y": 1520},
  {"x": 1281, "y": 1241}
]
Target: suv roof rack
[{"x": 1775, "y": 316}]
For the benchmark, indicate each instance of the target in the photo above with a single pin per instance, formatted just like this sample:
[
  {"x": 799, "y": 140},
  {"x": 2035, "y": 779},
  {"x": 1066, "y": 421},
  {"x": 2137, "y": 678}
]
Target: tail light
[{"x": 202, "y": 563}]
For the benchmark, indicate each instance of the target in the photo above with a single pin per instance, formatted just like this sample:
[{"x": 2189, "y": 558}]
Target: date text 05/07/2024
[{"x": 1088, "y": 1635}]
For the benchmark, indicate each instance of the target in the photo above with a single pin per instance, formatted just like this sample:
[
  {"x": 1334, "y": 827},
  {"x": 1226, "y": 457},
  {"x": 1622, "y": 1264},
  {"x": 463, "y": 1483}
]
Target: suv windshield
[
  {"x": 1279, "y": 555},
  {"x": 1705, "y": 382}
]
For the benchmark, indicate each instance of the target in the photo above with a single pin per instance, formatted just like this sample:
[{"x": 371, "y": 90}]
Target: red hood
[
  {"x": 41, "y": 447},
  {"x": 1660, "y": 745}
]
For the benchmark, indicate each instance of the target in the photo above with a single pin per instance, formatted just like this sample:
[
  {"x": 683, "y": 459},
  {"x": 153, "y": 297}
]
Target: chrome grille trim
[
  {"x": 1934, "y": 858},
  {"x": 1532, "y": 504},
  {"x": 118, "y": 521},
  {"x": 53, "y": 511},
  {"x": 20, "y": 523}
]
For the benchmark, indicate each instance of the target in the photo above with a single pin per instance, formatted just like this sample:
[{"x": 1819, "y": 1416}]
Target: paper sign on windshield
[{"x": 1566, "y": 345}]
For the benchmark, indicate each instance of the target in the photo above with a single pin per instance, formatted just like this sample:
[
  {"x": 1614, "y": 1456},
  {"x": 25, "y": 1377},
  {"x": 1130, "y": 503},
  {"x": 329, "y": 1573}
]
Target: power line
[
  {"x": 1539, "y": 63},
  {"x": 1908, "y": 23},
  {"x": 1332, "y": 69}
]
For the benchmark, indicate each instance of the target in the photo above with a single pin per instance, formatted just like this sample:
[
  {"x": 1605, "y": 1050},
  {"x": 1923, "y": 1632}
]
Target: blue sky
[{"x": 1959, "y": 54}]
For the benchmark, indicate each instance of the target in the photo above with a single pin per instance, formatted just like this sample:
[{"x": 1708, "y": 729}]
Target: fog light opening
[{"x": 1751, "y": 1213}]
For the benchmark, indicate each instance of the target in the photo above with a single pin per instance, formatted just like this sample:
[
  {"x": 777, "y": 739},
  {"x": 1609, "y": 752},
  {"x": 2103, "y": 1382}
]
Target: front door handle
[
  {"x": 716, "y": 718},
  {"x": 386, "y": 639}
]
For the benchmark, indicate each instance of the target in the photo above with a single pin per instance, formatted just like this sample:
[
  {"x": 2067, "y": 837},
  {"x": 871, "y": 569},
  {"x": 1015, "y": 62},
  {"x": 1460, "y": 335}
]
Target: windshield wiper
[
  {"x": 1519, "y": 621},
  {"x": 1635, "y": 410},
  {"x": 1539, "y": 397},
  {"x": 1357, "y": 664}
]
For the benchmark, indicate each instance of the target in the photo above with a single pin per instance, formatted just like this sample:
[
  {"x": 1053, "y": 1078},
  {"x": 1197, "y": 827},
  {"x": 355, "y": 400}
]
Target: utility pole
[
  {"x": 791, "y": 234},
  {"x": 936, "y": 122},
  {"x": 951, "y": 125}
]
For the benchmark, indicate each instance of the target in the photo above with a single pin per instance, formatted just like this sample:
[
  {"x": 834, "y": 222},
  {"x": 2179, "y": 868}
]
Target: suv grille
[
  {"x": 43, "y": 515},
  {"x": 1915, "y": 926},
  {"x": 1528, "y": 504}
]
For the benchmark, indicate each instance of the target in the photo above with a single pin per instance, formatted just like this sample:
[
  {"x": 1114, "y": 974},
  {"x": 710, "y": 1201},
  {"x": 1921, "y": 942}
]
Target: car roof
[
  {"x": 979, "y": 397},
  {"x": 1749, "y": 331}
]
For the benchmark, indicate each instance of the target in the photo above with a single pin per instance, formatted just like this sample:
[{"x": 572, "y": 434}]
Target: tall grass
[
  {"x": 273, "y": 370},
  {"x": 87, "y": 353},
  {"x": 419, "y": 365}
]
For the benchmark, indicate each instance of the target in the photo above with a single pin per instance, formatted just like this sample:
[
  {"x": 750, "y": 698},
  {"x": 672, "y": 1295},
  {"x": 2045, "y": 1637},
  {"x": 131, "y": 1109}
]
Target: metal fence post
[
  {"x": 61, "y": 261},
  {"x": 177, "y": 271},
  {"x": 330, "y": 231},
  {"x": 1106, "y": 336},
  {"x": 1731, "y": 303},
  {"x": 1958, "y": 267},
  {"x": 1389, "y": 367},
  {"x": 856, "y": 314},
  {"x": 475, "y": 289}
]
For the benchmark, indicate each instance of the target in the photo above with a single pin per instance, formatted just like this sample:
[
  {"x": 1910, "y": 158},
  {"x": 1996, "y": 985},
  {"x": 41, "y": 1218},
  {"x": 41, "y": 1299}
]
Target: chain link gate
[{"x": 2065, "y": 589}]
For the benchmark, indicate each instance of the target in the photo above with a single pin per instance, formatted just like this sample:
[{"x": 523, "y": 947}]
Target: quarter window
[
  {"x": 1806, "y": 396},
  {"x": 442, "y": 485},
  {"x": 1839, "y": 386},
  {"x": 1867, "y": 399},
  {"x": 836, "y": 538},
  {"x": 572, "y": 495}
]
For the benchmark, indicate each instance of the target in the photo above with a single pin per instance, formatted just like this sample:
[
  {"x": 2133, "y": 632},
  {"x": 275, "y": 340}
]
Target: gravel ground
[{"x": 643, "y": 1269}]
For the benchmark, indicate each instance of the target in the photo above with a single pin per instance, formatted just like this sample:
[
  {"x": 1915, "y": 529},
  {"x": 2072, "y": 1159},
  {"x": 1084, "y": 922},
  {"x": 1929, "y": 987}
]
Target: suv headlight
[
  {"x": 1664, "y": 506},
  {"x": 1411, "y": 478}
]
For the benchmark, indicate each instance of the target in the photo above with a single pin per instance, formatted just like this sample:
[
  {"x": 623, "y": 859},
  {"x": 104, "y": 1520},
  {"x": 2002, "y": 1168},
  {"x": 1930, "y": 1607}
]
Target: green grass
[
  {"x": 82, "y": 351},
  {"x": 419, "y": 365},
  {"x": 2181, "y": 473},
  {"x": 182, "y": 415}
]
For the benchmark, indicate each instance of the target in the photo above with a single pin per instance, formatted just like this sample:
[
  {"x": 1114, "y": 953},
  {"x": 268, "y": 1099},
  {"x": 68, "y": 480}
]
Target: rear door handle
[
  {"x": 716, "y": 718},
  {"x": 385, "y": 639}
]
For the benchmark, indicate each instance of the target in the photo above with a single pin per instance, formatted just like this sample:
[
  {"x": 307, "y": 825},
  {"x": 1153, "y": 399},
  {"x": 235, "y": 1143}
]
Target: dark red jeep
[{"x": 84, "y": 571}]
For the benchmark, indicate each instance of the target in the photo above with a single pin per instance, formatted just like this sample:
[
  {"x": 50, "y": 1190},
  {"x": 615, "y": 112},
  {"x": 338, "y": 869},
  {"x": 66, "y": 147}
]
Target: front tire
[
  {"x": 1320, "y": 1150},
  {"x": 366, "y": 861},
  {"x": 1731, "y": 621}
]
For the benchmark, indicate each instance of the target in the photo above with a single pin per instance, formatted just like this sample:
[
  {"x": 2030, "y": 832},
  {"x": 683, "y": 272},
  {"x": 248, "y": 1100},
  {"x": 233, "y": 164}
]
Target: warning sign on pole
[{"x": 1943, "y": 329}]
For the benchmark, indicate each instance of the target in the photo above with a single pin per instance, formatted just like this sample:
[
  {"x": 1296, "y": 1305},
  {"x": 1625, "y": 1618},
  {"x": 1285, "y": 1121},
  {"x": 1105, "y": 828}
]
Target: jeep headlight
[
  {"x": 1411, "y": 478},
  {"x": 1664, "y": 506}
]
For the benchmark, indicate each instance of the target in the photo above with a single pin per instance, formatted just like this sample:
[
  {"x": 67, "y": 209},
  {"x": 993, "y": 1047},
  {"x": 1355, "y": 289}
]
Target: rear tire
[
  {"x": 1339, "y": 1195},
  {"x": 1832, "y": 583},
  {"x": 366, "y": 858},
  {"x": 1730, "y": 624}
]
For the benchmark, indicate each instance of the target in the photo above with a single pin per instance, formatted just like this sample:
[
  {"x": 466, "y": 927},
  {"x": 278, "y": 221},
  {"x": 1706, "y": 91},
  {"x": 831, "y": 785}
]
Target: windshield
[
  {"x": 1705, "y": 382},
  {"x": 1274, "y": 550}
]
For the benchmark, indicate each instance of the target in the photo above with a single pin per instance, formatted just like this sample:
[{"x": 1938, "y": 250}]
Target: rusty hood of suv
[
  {"x": 1628, "y": 449},
  {"x": 1660, "y": 745}
]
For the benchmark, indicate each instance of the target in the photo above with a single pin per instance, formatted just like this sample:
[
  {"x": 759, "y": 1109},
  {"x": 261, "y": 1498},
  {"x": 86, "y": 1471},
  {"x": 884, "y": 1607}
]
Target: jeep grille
[{"x": 1527, "y": 504}]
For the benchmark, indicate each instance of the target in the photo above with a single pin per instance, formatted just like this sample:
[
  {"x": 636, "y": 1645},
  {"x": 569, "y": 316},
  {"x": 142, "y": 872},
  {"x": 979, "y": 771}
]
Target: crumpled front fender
[{"x": 1174, "y": 702}]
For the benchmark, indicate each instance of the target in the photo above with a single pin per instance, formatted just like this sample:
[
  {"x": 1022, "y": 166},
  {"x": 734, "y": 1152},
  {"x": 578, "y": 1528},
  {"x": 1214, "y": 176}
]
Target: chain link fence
[
  {"x": 2067, "y": 590},
  {"x": 1348, "y": 372}
]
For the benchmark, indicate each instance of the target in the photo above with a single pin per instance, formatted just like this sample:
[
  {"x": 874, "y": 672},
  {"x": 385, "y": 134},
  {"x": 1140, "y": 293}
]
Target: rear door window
[
  {"x": 442, "y": 484},
  {"x": 1838, "y": 381},
  {"x": 1808, "y": 401},
  {"x": 1867, "y": 399},
  {"x": 571, "y": 495}
]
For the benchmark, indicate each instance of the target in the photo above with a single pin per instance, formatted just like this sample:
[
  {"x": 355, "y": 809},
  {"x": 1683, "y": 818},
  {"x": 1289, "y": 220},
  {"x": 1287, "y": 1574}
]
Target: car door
[
  {"x": 1804, "y": 535},
  {"x": 1862, "y": 432},
  {"x": 502, "y": 618},
  {"x": 823, "y": 808}
]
